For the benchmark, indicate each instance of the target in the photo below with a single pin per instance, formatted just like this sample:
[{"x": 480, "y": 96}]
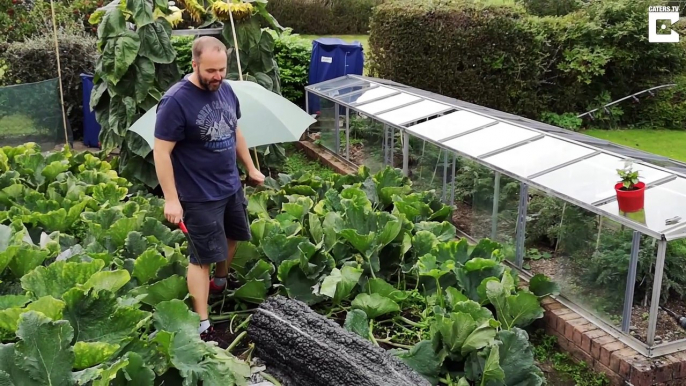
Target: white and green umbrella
[{"x": 266, "y": 117}]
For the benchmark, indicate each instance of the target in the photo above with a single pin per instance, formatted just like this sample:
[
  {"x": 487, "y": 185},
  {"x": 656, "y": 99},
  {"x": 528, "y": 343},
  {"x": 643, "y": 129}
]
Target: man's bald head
[
  {"x": 211, "y": 70},
  {"x": 204, "y": 44}
]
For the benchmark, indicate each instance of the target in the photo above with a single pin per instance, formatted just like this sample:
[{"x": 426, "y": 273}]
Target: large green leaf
[
  {"x": 296, "y": 282},
  {"x": 518, "y": 310},
  {"x": 96, "y": 317},
  {"x": 492, "y": 370},
  {"x": 517, "y": 359},
  {"x": 119, "y": 53},
  {"x": 356, "y": 321},
  {"x": 374, "y": 305},
  {"x": 147, "y": 265},
  {"x": 266, "y": 52},
  {"x": 122, "y": 112},
  {"x": 173, "y": 287},
  {"x": 47, "y": 306},
  {"x": 423, "y": 359},
  {"x": 141, "y": 11},
  {"x": 155, "y": 42},
  {"x": 340, "y": 283},
  {"x": 88, "y": 354},
  {"x": 166, "y": 75},
  {"x": 267, "y": 82},
  {"x": 112, "y": 25},
  {"x": 541, "y": 285},
  {"x": 44, "y": 350}
]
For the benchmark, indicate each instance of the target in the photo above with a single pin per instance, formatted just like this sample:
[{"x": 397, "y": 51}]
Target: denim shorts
[{"x": 211, "y": 223}]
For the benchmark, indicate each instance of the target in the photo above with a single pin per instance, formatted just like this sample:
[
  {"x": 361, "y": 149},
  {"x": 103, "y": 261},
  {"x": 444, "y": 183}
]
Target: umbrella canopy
[{"x": 266, "y": 117}]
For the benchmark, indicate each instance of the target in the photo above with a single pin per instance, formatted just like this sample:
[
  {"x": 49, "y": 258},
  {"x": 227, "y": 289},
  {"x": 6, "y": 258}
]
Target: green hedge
[
  {"x": 293, "y": 55},
  {"x": 665, "y": 110},
  {"x": 551, "y": 7},
  {"x": 34, "y": 60},
  {"x": 502, "y": 57},
  {"x": 324, "y": 17},
  {"x": 184, "y": 52}
]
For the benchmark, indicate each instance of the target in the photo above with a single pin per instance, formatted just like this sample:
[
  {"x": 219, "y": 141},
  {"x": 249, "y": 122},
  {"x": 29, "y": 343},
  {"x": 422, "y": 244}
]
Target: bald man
[{"x": 197, "y": 144}]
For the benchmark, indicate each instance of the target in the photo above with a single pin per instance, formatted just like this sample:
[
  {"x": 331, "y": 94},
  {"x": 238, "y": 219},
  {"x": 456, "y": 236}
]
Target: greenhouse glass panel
[
  {"x": 414, "y": 112},
  {"x": 428, "y": 167},
  {"x": 366, "y": 95},
  {"x": 671, "y": 307},
  {"x": 325, "y": 128},
  {"x": 449, "y": 125},
  {"x": 334, "y": 84},
  {"x": 348, "y": 90},
  {"x": 537, "y": 156},
  {"x": 387, "y": 103},
  {"x": 586, "y": 254},
  {"x": 366, "y": 142},
  {"x": 662, "y": 202},
  {"x": 490, "y": 138},
  {"x": 593, "y": 179}
]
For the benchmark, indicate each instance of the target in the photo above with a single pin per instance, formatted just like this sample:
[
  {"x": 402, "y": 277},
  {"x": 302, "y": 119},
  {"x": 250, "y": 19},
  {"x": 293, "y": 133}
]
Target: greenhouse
[{"x": 519, "y": 181}]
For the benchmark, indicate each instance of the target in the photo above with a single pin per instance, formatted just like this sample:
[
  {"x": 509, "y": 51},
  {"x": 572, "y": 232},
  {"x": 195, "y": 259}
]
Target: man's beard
[{"x": 208, "y": 85}]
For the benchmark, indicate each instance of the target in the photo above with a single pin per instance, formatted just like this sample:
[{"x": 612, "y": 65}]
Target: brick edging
[
  {"x": 325, "y": 156},
  {"x": 604, "y": 353}
]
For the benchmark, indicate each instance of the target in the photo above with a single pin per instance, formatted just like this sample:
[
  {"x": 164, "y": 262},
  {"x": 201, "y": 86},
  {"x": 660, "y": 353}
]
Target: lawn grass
[{"x": 668, "y": 143}]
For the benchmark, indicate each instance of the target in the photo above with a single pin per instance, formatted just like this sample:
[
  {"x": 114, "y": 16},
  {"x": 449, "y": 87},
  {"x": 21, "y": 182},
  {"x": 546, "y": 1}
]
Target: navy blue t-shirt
[{"x": 203, "y": 124}]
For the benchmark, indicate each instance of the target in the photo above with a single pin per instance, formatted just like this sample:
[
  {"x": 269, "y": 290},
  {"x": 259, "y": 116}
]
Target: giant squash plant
[{"x": 137, "y": 64}]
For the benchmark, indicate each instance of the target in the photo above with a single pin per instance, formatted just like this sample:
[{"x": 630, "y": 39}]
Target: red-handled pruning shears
[{"x": 188, "y": 237}]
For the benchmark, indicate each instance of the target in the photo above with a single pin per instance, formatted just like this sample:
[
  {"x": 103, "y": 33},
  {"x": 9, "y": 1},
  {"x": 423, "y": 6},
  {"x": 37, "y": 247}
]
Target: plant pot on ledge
[
  {"x": 630, "y": 200},
  {"x": 630, "y": 192}
]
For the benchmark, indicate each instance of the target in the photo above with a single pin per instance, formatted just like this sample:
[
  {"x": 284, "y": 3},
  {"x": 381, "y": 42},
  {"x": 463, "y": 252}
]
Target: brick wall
[{"x": 602, "y": 352}]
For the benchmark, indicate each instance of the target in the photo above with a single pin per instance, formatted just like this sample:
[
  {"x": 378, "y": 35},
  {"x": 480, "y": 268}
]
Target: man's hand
[
  {"x": 173, "y": 211},
  {"x": 256, "y": 176}
]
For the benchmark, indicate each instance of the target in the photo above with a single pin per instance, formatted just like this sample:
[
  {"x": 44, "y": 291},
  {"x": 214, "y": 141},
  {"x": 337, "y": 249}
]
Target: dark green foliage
[
  {"x": 667, "y": 109},
  {"x": 293, "y": 57},
  {"x": 324, "y": 17},
  {"x": 184, "y": 52},
  {"x": 502, "y": 57},
  {"x": 34, "y": 60},
  {"x": 567, "y": 225},
  {"x": 607, "y": 269},
  {"x": 24, "y": 19},
  {"x": 551, "y": 7}
]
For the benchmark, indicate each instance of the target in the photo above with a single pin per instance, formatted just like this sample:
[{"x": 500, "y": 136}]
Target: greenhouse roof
[{"x": 569, "y": 165}]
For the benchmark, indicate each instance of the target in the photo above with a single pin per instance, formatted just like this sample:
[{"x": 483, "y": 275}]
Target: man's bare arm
[
  {"x": 243, "y": 152},
  {"x": 165, "y": 175}
]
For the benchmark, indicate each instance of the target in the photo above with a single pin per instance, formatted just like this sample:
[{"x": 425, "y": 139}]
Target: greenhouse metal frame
[{"x": 578, "y": 169}]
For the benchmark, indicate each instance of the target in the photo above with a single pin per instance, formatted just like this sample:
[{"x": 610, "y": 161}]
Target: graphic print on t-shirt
[{"x": 217, "y": 123}]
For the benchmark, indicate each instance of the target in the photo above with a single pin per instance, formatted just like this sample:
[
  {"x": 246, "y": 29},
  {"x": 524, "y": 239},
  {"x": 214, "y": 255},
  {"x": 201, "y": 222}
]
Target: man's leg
[
  {"x": 237, "y": 228},
  {"x": 221, "y": 271},
  {"x": 205, "y": 227},
  {"x": 198, "y": 287}
]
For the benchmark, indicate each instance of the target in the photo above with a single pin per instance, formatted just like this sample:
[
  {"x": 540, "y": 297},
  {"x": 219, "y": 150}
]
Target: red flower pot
[{"x": 630, "y": 200}]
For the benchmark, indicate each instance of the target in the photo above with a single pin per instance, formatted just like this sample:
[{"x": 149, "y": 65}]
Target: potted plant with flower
[{"x": 630, "y": 191}]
